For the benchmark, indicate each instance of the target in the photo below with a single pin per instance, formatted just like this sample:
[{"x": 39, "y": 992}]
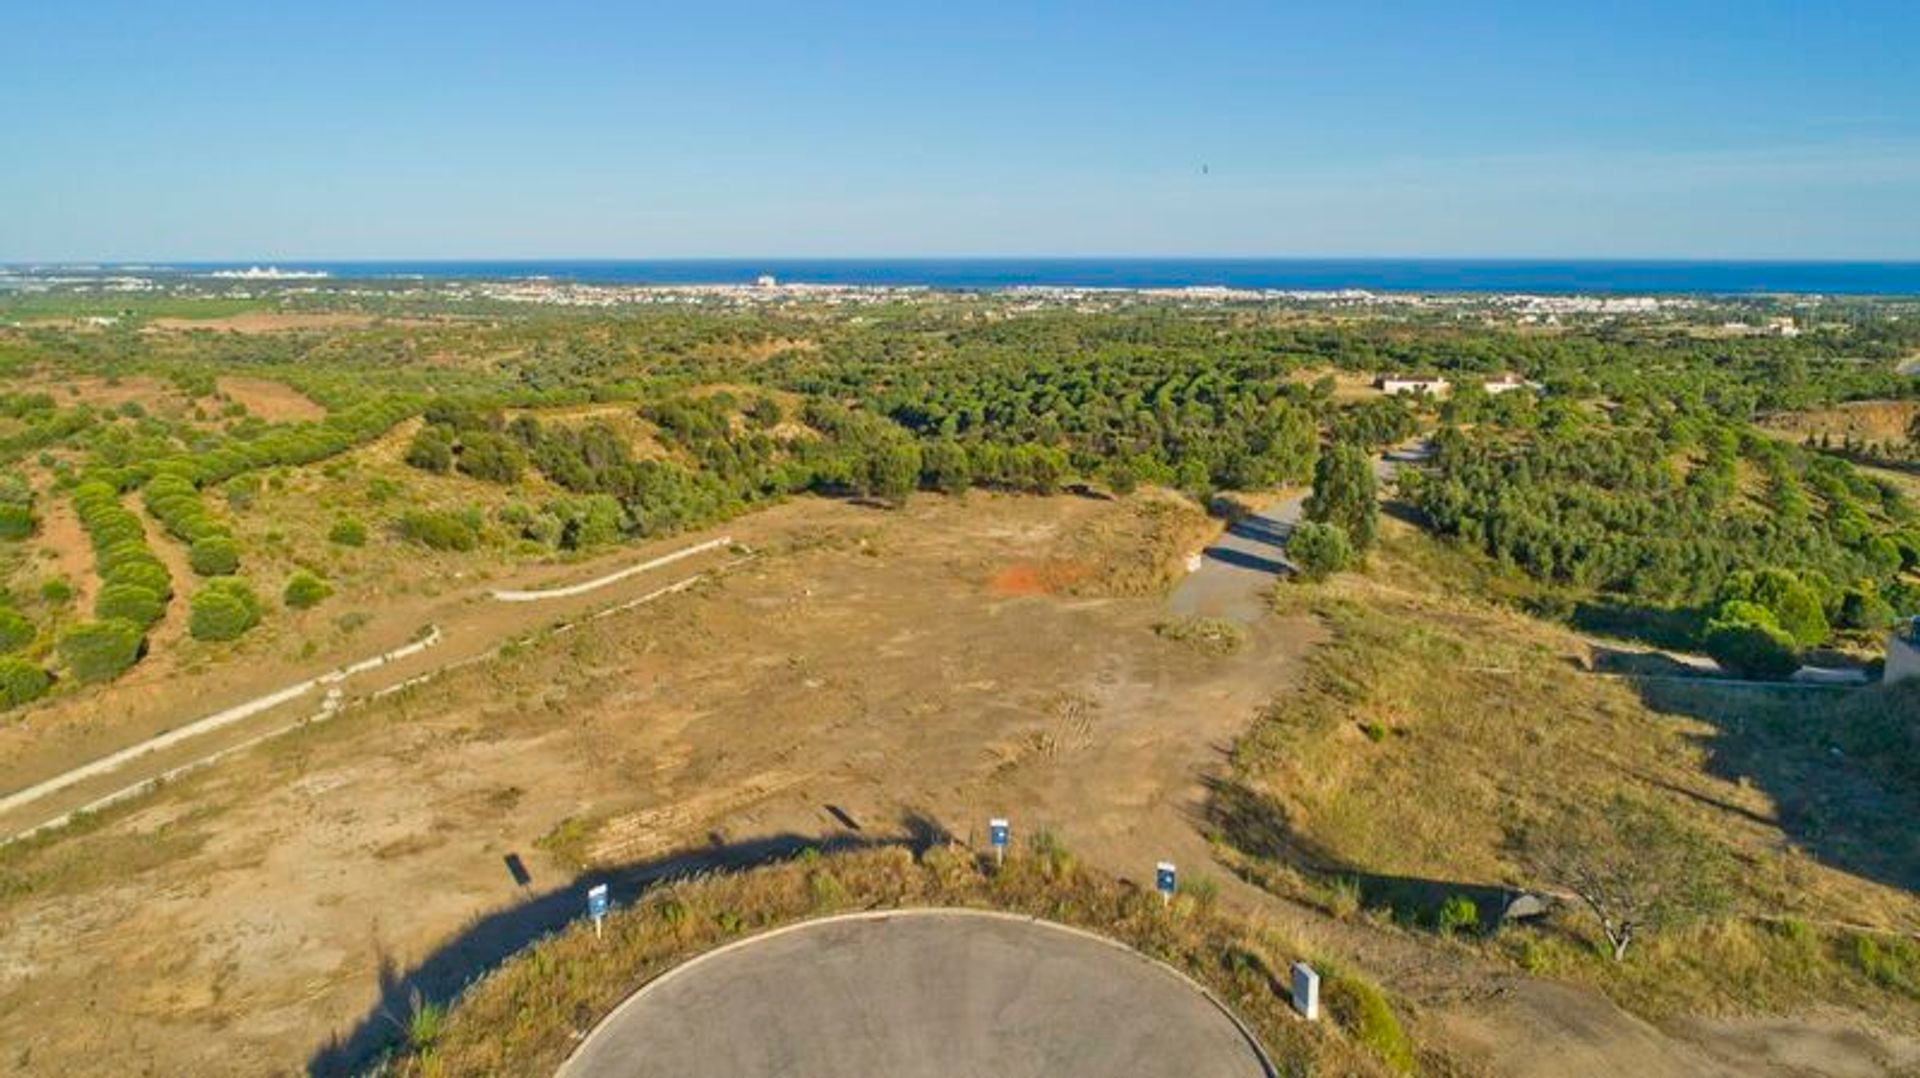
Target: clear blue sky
[{"x": 1683, "y": 128}]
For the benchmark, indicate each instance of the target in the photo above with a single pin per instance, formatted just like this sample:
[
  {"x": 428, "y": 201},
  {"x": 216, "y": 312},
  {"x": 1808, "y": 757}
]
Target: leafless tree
[{"x": 1634, "y": 866}]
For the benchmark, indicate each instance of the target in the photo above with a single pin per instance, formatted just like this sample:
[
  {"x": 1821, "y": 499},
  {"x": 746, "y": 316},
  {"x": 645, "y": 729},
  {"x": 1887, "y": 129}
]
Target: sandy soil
[
  {"x": 862, "y": 677},
  {"x": 862, "y": 663},
  {"x": 63, "y": 543},
  {"x": 154, "y": 394},
  {"x": 275, "y": 402}
]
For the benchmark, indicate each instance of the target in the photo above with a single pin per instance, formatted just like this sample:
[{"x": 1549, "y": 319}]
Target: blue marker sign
[
  {"x": 597, "y": 905},
  {"x": 998, "y": 832},
  {"x": 1164, "y": 879}
]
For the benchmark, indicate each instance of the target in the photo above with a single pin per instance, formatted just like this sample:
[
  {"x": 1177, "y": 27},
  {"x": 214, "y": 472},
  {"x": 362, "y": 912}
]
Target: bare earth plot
[
  {"x": 275, "y": 402},
  {"x": 857, "y": 673},
  {"x": 861, "y": 677}
]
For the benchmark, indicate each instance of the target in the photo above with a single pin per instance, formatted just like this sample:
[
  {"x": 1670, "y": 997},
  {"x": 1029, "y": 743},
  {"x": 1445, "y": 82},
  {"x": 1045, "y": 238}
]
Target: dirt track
[{"x": 860, "y": 678}]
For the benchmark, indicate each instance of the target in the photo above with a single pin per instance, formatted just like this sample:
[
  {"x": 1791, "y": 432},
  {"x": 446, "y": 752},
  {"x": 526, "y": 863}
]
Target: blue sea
[{"x": 1380, "y": 275}]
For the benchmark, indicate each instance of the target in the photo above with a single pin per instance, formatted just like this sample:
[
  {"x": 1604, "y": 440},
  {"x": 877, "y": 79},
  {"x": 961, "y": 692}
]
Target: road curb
[{"x": 633, "y": 998}]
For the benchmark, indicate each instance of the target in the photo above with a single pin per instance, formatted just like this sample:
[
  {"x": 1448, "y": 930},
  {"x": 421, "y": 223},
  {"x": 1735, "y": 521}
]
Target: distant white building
[
  {"x": 766, "y": 280},
  {"x": 1509, "y": 382},
  {"x": 1393, "y": 386},
  {"x": 1903, "y": 651}
]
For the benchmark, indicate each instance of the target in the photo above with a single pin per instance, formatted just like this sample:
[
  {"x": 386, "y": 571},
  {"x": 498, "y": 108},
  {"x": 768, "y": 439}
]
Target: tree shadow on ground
[
  {"x": 1673, "y": 628},
  {"x": 1252, "y": 824},
  {"x": 1255, "y": 529},
  {"x": 496, "y": 937},
  {"x": 1244, "y": 560},
  {"x": 1838, "y": 765}
]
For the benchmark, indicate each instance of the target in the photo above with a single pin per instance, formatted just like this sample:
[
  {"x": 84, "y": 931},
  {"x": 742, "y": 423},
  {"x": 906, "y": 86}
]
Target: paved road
[
  {"x": 1236, "y": 571},
  {"x": 919, "y": 994},
  {"x": 1239, "y": 567}
]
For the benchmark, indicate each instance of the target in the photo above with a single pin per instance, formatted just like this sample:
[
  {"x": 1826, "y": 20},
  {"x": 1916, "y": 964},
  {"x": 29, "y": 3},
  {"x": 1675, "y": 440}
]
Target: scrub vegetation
[
  {"x": 982, "y": 504},
  {"x": 522, "y": 1019}
]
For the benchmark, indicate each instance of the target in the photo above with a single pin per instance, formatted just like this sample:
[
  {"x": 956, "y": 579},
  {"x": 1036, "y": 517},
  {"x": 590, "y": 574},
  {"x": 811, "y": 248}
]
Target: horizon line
[{"x": 262, "y": 260}]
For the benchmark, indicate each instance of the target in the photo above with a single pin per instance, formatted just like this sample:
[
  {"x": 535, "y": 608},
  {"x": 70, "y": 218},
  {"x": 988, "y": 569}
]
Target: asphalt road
[
  {"x": 919, "y": 994},
  {"x": 1236, "y": 571}
]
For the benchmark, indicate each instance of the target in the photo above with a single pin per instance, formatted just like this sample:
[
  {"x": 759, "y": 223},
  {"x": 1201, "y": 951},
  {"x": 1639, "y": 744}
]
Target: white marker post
[
  {"x": 1165, "y": 881},
  {"x": 1306, "y": 991},
  {"x": 597, "y": 906},
  {"x": 998, "y": 833}
]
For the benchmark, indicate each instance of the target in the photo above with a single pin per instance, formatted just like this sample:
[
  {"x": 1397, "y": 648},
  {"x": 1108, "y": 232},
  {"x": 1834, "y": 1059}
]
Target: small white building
[
  {"x": 1393, "y": 386},
  {"x": 1508, "y": 382},
  {"x": 1903, "y": 651}
]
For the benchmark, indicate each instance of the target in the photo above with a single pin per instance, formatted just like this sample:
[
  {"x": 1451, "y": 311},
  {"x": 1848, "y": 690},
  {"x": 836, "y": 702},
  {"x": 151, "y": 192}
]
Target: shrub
[
  {"x": 1362, "y": 1010},
  {"x": 145, "y": 573},
  {"x": 1458, "y": 913},
  {"x": 1744, "y": 639},
  {"x": 223, "y": 609},
  {"x": 98, "y": 651},
  {"x": 431, "y": 450},
  {"x": 214, "y": 555},
  {"x": 304, "y": 590},
  {"x": 16, "y": 521},
  {"x": 1893, "y": 964},
  {"x": 1792, "y": 600},
  {"x": 439, "y": 530},
  {"x": 1862, "y": 607},
  {"x": 16, "y": 631},
  {"x": 58, "y": 590},
  {"x": 945, "y": 467},
  {"x": 21, "y": 682},
  {"x": 1319, "y": 550},
  {"x": 492, "y": 457},
  {"x": 129, "y": 602},
  {"x": 1209, "y": 636},
  {"x": 347, "y": 532}
]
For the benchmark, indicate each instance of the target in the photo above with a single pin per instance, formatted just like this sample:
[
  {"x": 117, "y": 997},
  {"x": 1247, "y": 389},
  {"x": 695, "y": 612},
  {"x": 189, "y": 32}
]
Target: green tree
[
  {"x": 214, "y": 555},
  {"x": 1345, "y": 493},
  {"x": 1636, "y": 867},
  {"x": 945, "y": 467},
  {"x": 98, "y": 651},
  {"x": 1744, "y": 638},
  {"x": 892, "y": 470},
  {"x": 492, "y": 457},
  {"x": 431, "y": 450},
  {"x": 1796, "y": 606},
  {"x": 130, "y": 602},
  {"x": 1861, "y": 607},
  {"x": 16, "y": 631},
  {"x": 1319, "y": 550},
  {"x": 304, "y": 590},
  {"x": 223, "y": 609},
  {"x": 439, "y": 530},
  {"x": 16, "y": 521},
  {"x": 21, "y": 682}
]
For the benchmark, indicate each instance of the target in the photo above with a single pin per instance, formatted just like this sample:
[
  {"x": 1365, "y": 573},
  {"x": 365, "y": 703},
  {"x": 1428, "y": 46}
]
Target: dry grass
[
  {"x": 1140, "y": 551},
  {"x": 1862, "y": 421},
  {"x": 1436, "y": 729},
  {"x": 525, "y": 1018}
]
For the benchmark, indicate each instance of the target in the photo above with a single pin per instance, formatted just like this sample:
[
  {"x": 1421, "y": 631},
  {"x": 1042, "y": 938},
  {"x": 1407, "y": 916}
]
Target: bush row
[
  {"x": 135, "y": 584},
  {"x": 175, "y": 501}
]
